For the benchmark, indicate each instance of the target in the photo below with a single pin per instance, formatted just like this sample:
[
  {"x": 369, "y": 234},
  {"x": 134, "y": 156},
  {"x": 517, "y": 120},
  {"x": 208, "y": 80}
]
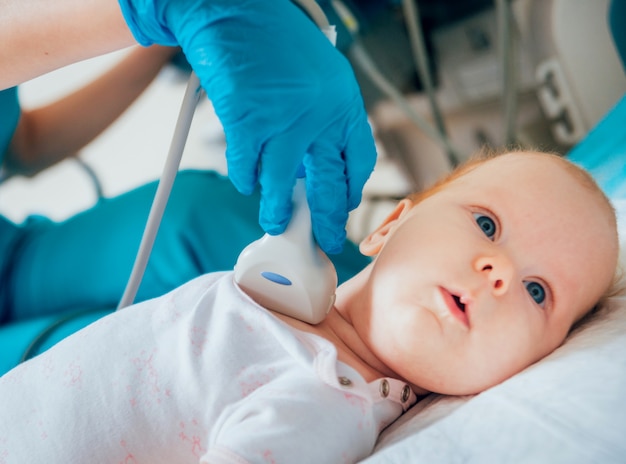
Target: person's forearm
[
  {"x": 38, "y": 36},
  {"x": 49, "y": 134}
]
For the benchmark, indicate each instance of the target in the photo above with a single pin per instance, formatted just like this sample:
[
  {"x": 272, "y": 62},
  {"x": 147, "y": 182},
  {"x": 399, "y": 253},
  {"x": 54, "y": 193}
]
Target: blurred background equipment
[{"x": 504, "y": 73}]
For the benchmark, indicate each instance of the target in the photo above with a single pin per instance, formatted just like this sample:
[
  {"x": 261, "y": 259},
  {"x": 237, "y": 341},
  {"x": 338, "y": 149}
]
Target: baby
[{"x": 472, "y": 281}]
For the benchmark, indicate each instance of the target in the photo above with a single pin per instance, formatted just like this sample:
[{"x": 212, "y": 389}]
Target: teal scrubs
[
  {"x": 58, "y": 277},
  {"x": 9, "y": 232},
  {"x": 9, "y": 114}
]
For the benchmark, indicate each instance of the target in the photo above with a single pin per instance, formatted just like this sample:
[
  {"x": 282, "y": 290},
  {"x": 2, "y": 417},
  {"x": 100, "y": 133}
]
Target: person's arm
[
  {"x": 51, "y": 133},
  {"x": 38, "y": 36}
]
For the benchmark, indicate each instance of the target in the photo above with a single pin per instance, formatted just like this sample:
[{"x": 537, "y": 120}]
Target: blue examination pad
[{"x": 603, "y": 152}]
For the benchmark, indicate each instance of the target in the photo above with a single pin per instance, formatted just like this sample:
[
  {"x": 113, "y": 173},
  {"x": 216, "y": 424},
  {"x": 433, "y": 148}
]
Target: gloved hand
[{"x": 284, "y": 96}]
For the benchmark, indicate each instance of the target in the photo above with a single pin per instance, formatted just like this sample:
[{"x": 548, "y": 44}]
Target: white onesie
[{"x": 201, "y": 374}]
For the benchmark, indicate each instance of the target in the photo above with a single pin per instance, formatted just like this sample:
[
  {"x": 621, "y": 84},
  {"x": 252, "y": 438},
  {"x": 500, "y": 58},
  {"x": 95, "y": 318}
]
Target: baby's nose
[{"x": 498, "y": 270}]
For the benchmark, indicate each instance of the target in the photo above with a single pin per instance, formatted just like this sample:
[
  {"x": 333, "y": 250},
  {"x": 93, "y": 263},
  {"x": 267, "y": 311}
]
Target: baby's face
[{"x": 485, "y": 277}]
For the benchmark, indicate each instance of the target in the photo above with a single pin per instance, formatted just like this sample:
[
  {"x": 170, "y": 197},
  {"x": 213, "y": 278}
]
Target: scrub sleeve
[
  {"x": 9, "y": 231},
  {"x": 9, "y": 115}
]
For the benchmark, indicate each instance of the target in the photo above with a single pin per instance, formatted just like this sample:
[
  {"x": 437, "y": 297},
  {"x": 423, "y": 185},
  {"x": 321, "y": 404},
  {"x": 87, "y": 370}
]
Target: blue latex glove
[{"x": 284, "y": 96}]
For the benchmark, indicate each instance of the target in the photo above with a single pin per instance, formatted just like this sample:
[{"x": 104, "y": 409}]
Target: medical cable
[
  {"x": 362, "y": 58},
  {"x": 188, "y": 107},
  {"x": 424, "y": 70},
  {"x": 315, "y": 13},
  {"x": 507, "y": 61},
  {"x": 91, "y": 173},
  {"x": 367, "y": 65}
]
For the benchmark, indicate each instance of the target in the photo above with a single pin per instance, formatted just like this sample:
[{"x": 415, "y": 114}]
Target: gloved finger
[
  {"x": 281, "y": 157},
  {"x": 243, "y": 153},
  {"x": 327, "y": 194},
  {"x": 360, "y": 158}
]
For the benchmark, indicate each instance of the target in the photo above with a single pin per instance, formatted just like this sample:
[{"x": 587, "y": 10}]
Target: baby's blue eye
[
  {"x": 486, "y": 224},
  {"x": 536, "y": 291}
]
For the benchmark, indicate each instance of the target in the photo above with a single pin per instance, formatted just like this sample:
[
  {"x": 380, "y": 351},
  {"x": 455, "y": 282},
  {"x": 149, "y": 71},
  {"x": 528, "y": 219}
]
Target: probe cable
[{"x": 188, "y": 107}]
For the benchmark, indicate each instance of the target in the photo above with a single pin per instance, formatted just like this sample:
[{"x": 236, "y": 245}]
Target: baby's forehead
[{"x": 531, "y": 175}]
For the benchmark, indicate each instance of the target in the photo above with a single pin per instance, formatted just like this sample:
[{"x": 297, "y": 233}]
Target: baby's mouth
[
  {"x": 457, "y": 300},
  {"x": 456, "y": 306}
]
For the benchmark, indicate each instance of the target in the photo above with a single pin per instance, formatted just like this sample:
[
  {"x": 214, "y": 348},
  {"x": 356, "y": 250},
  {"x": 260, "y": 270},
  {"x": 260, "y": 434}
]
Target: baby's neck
[{"x": 350, "y": 348}]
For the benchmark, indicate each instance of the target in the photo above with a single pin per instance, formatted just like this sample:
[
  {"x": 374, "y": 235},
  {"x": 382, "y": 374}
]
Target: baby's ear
[{"x": 372, "y": 244}]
